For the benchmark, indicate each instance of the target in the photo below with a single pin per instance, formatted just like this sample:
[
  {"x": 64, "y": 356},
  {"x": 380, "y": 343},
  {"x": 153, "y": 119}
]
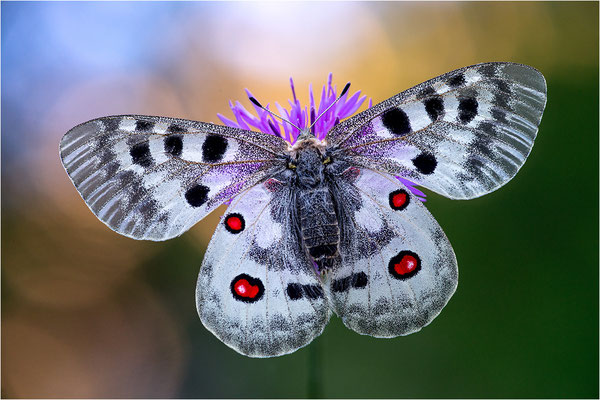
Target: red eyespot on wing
[
  {"x": 404, "y": 265},
  {"x": 246, "y": 288},
  {"x": 234, "y": 223},
  {"x": 399, "y": 199}
]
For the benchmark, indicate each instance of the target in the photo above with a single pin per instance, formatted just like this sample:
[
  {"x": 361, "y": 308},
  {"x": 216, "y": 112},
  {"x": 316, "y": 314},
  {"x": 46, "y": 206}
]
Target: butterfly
[{"x": 318, "y": 226}]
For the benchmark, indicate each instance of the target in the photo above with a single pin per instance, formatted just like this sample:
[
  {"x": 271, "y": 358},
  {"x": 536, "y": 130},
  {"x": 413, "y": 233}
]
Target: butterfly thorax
[
  {"x": 309, "y": 169},
  {"x": 315, "y": 205}
]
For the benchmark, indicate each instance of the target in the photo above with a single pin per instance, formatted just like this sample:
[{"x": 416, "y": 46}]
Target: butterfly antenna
[
  {"x": 344, "y": 90},
  {"x": 257, "y": 104}
]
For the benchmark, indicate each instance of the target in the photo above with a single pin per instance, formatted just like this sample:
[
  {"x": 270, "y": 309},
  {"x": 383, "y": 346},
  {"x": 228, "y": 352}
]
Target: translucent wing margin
[
  {"x": 462, "y": 134},
  {"x": 154, "y": 177},
  {"x": 257, "y": 290}
]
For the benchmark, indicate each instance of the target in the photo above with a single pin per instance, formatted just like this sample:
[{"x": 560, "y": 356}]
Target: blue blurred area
[
  {"x": 50, "y": 47},
  {"x": 76, "y": 40}
]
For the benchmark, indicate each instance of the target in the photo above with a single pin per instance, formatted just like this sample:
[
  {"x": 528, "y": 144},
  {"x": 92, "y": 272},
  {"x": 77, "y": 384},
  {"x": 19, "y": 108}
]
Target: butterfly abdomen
[
  {"x": 317, "y": 219},
  {"x": 319, "y": 226}
]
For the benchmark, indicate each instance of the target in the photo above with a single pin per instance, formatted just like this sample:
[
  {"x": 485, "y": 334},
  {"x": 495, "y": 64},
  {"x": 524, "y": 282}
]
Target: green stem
[{"x": 315, "y": 382}]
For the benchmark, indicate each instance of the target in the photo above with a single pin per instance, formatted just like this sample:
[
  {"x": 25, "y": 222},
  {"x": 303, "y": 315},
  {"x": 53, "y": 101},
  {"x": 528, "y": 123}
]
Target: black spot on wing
[
  {"x": 148, "y": 209},
  {"x": 457, "y": 80},
  {"x": 294, "y": 291},
  {"x": 197, "y": 195},
  {"x": 488, "y": 70},
  {"x": 312, "y": 291},
  {"x": 425, "y": 163},
  {"x": 143, "y": 126},
  {"x": 396, "y": 121},
  {"x": 426, "y": 92},
  {"x": 174, "y": 145},
  {"x": 499, "y": 115},
  {"x": 502, "y": 94},
  {"x": 488, "y": 128},
  {"x": 111, "y": 167},
  {"x": 341, "y": 285},
  {"x": 111, "y": 124},
  {"x": 213, "y": 148},
  {"x": 501, "y": 100},
  {"x": 482, "y": 144},
  {"x": 467, "y": 109},
  {"x": 474, "y": 165},
  {"x": 502, "y": 85},
  {"x": 140, "y": 154},
  {"x": 174, "y": 128},
  {"x": 103, "y": 141},
  {"x": 434, "y": 107},
  {"x": 136, "y": 194},
  {"x": 359, "y": 280},
  {"x": 125, "y": 178}
]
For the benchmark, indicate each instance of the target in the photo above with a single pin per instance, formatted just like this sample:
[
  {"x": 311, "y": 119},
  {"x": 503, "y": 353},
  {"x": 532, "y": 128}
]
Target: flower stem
[{"x": 315, "y": 383}]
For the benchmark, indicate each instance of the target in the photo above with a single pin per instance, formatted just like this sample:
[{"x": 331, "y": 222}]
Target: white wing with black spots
[
  {"x": 155, "y": 177},
  {"x": 462, "y": 134},
  {"x": 398, "y": 269},
  {"x": 257, "y": 290}
]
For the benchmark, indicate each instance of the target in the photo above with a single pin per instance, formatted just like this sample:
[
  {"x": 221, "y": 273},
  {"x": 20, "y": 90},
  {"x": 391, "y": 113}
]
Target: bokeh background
[{"x": 88, "y": 313}]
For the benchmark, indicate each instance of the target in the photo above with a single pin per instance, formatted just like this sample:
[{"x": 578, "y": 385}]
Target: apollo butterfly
[{"x": 317, "y": 224}]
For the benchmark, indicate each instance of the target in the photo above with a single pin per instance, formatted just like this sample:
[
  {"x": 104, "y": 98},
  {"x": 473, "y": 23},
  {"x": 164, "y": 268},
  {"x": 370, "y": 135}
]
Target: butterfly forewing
[
  {"x": 154, "y": 177},
  {"x": 462, "y": 134}
]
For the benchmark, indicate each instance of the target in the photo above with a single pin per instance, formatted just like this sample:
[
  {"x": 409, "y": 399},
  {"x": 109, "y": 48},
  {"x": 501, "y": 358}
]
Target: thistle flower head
[
  {"x": 303, "y": 117},
  {"x": 297, "y": 115}
]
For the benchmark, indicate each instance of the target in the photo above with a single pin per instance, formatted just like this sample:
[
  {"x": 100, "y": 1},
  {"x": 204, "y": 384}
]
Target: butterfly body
[
  {"x": 316, "y": 221},
  {"x": 321, "y": 225}
]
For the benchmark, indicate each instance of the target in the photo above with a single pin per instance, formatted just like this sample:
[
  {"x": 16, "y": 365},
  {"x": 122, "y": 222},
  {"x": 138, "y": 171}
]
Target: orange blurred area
[
  {"x": 87, "y": 313},
  {"x": 126, "y": 346}
]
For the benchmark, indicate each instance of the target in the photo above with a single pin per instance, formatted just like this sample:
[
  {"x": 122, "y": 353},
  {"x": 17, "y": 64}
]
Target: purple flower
[{"x": 304, "y": 117}]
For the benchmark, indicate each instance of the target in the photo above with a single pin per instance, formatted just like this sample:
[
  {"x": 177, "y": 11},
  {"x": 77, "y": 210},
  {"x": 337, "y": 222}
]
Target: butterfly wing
[
  {"x": 257, "y": 290},
  {"x": 462, "y": 134},
  {"x": 154, "y": 177},
  {"x": 398, "y": 269}
]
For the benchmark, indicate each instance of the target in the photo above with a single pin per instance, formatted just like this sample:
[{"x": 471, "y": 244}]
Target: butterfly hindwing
[
  {"x": 257, "y": 290},
  {"x": 398, "y": 269},
  {"x": 462, "y": 134},
  {"x": 154, "y": 177}
]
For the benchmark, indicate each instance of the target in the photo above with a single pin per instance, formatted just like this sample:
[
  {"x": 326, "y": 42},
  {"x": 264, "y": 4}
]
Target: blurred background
[{"x": 88, "y": 313}]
